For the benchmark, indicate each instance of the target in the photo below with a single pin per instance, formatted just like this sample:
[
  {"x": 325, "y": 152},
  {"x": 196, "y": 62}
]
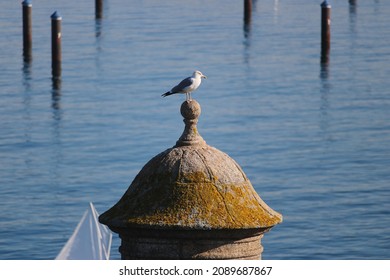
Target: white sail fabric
[{"x": 90, "y": 240}]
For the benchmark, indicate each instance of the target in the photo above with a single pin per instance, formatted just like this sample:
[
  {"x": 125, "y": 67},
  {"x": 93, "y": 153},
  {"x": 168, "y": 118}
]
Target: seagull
[{"x": 188, "y": 85}]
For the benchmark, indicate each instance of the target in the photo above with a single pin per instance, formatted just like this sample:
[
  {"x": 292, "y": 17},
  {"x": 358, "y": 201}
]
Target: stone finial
[{"x": 190, "y": 110}]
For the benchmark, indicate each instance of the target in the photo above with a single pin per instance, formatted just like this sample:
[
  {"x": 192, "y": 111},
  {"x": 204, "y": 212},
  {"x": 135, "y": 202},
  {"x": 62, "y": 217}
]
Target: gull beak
[{"x": 203, "y": 76}]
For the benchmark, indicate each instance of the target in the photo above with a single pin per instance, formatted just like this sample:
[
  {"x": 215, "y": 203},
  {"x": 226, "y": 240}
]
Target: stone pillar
[{"x": 191, "y": 201}]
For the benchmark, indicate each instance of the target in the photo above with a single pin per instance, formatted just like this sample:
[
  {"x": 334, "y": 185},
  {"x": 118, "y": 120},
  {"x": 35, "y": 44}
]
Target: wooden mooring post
[
  {"x": 56, "y": 35},
  {"x": 325, "y": 25},
  {"x": 247, "y": 11},
  {"x": 98, "y": 9},
  {"x": 247, "y": 17},
  {"x": 27, "y": 30}
]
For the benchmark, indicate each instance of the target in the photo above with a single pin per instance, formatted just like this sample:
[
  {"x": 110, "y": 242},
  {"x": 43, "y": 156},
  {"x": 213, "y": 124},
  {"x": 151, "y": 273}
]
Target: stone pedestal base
[{"x": 190, "y": 244}]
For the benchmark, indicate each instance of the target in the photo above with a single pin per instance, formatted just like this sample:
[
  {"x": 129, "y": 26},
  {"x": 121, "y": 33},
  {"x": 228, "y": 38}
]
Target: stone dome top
[{"x": 191, "y": 186}]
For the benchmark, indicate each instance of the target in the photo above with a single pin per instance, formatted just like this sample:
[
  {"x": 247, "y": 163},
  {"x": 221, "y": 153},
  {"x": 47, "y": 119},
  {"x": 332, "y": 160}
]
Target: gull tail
[{"x": 167, "y": 93}]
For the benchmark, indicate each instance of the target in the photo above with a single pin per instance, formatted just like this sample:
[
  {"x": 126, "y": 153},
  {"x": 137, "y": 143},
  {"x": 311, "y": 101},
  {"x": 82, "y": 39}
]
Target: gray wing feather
[{"x": 183, "y": 84}]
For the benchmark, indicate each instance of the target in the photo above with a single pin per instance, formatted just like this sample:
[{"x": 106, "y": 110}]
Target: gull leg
[{"x": 186, "y": 96}]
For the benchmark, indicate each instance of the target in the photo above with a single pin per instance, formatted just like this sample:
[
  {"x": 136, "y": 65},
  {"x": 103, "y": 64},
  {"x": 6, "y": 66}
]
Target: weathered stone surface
[
  {"x": 178, "y": 244},
  {"x": 194, "y": 188},
  {"x": 191, "y": 201}
]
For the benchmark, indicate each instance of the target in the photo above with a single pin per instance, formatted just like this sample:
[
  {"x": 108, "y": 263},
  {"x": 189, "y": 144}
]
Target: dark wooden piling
[
  {"x": 325, "y": 25},
  {"x": 247, "y": 17},
  {"x": 247, "y": 11},
  {"x": 56, "y": 35},
  {"x": 27, "y": 30},
  {"x": 98, "y": 9}
]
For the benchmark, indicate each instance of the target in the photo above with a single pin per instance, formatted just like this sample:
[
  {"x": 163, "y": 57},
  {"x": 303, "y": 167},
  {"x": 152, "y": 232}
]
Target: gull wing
[{"x": 187, "y": 82}]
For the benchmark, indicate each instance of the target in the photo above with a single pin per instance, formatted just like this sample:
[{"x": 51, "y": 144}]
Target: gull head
[{"x": 198, "y": 74}]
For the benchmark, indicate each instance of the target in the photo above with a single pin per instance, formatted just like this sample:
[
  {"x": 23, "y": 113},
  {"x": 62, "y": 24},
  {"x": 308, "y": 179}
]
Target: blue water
[{"x": 313, "y": 138}]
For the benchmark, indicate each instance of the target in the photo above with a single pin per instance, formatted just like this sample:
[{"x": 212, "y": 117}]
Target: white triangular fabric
[{"x": 90, "y": 240}]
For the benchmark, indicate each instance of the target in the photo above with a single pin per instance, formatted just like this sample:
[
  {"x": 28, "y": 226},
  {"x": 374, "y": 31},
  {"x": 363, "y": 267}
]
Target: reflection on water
[
  {"x": 27, "y": 83},
  {"x": 27, "y": 55},
  {"x": 324, "y": 63},
  {"x": 352, "y": 15},
  {"x": 27, "y": 75},
  {"x": 56, "y": 96},
  {"x": 56, "y": 127},
  {"x": 352, "y": 6},
  {"x": 98, "y": 27},
  {"x": 276, "y": 10},
  {"x": 324, "y": 94}
]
